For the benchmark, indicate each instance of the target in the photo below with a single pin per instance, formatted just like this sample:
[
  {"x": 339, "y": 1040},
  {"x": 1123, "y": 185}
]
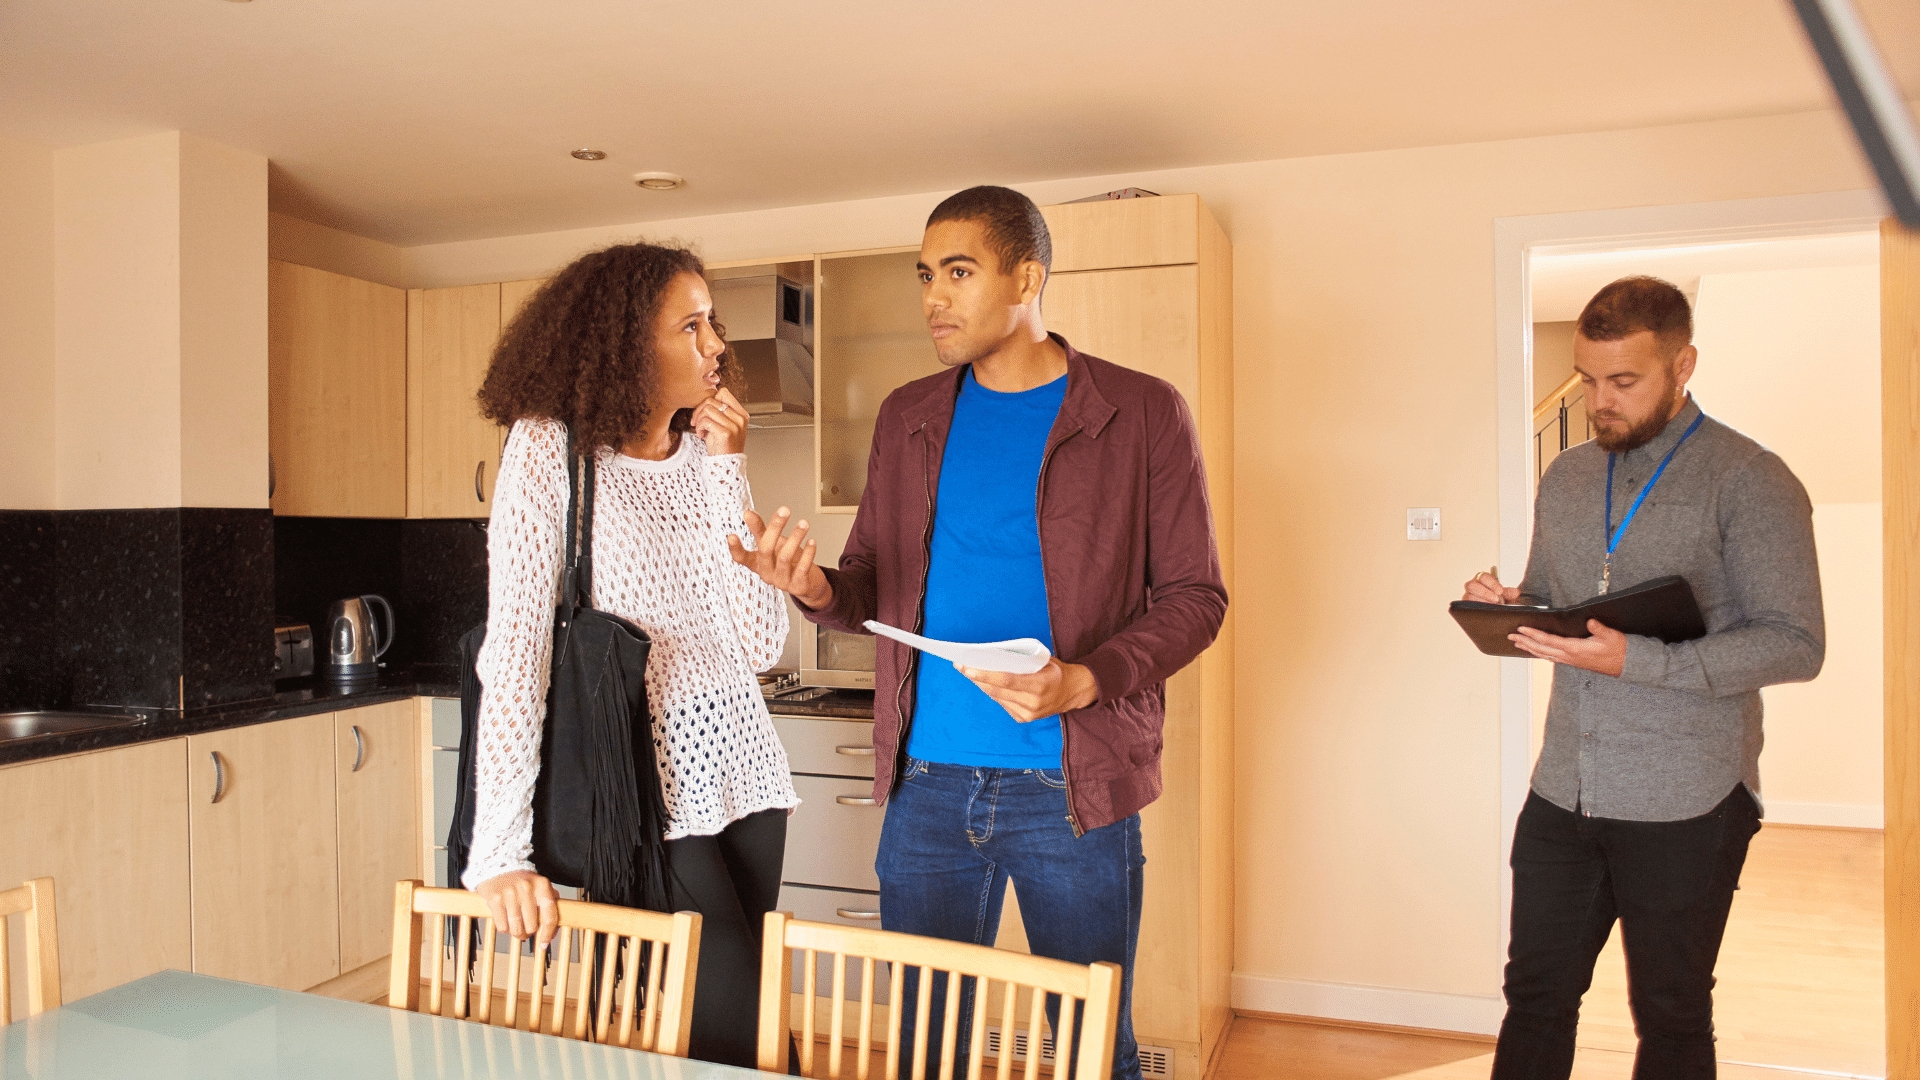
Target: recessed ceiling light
[
  {"x": 659, "y": 181},
  {"x": 590, "y": 155}
]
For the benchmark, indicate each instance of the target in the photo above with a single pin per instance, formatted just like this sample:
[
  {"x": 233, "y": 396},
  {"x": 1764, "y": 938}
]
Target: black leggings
[{"x": 732, "y": 880}]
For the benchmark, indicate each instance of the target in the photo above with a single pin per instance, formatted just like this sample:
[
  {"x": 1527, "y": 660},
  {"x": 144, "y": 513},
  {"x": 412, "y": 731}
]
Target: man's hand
[
  {"x": 1604, "y": 652},
  {"x": 784, "y": 562},
  {"x": 1486, "y": 589},
  {"x": 1054, "y": 689},
  {"x": 721, "y": 423},
  {"x": 522, "y": 903}
]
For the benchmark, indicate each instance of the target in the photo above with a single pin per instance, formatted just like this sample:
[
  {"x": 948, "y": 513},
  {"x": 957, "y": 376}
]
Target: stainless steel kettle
[{"x": 355, "y": 642}]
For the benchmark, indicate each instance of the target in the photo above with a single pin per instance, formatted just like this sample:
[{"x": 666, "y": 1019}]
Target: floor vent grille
[{"x": 1155, "y": 1061}]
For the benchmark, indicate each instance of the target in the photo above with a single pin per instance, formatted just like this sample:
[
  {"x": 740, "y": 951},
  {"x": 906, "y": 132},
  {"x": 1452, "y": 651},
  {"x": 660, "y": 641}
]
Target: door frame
[{"x": 1515, "y": 239}]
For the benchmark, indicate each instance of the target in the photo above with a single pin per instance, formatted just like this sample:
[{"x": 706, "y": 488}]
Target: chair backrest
[
  {"x": 865, "y": 951},
  {"x": 645, "y": 959},
  {"x": 35, "y": 901}
]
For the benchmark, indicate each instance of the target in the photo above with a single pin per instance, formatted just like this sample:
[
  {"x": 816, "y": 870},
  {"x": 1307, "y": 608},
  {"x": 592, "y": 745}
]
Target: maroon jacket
[{"x": 1134, "y": 590}]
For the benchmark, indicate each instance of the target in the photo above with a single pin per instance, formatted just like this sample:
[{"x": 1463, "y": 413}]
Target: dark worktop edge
[
  {"x": 397, "y": 686},
  {"x": 175, "y": 723}
]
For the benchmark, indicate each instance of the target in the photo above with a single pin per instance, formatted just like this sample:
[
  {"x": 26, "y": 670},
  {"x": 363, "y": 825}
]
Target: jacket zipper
[
  {"x": 919, "y": 615},
  {"x": 1039, "y": 501}
]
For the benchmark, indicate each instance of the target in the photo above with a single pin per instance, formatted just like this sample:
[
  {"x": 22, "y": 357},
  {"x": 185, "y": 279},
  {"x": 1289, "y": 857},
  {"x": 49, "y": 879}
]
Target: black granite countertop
[
  {"x": 292, "y": 697},
  {"x": 816, "y": 701},
  {"x": 304, "y": 697}
]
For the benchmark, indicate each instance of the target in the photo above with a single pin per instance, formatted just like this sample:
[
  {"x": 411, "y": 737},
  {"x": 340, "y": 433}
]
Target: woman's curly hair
[{"x": 581, "y": 350}]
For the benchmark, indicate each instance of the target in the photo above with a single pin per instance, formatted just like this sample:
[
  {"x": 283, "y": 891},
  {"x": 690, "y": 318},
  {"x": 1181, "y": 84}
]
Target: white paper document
[{"x": 1021, "y": 656}]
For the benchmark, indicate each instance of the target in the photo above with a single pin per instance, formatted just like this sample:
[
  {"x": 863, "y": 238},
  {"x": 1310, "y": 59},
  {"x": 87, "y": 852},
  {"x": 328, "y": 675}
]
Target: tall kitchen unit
[{"x": 1147, "y": 283}]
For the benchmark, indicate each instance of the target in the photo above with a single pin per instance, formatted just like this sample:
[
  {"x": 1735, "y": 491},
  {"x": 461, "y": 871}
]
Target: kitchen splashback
[
  {"x": 434, "y": 572},
  {"x": 157, "y": 608}
]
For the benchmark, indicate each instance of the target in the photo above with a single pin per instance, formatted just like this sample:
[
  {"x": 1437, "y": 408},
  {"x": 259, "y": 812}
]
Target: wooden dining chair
[
  {"x": 34, "y": 900},
  {"x": 1096, "y": 985},
  {"x": 614, "y": 949}
]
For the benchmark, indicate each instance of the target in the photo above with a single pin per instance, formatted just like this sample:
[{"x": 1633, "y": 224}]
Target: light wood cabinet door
[
  {"x": 514, "y": 296},
  {"x": 336, "y": 394},
  {"x": 870, "y": 337},
  {"x": 453, "y": 454},
  {"x": 375, "y": 764},
  {"x": 110, "y": 828},
  {"x": 265, "y": 865},
  {"x": 1146, "y": 319}
]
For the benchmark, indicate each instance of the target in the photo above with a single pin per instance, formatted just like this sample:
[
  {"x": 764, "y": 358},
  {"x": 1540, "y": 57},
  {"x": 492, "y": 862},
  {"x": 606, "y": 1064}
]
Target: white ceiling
[
  {"x": 1563, "y": 283},
  {"x": 418, "y": 121}
]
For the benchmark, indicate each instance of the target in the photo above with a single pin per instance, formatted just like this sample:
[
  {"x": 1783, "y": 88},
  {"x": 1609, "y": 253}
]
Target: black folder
[{"x": 1663, "y": 608}]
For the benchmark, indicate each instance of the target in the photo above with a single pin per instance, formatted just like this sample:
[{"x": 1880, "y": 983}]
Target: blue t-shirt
[{"x": 984, "y": 579}]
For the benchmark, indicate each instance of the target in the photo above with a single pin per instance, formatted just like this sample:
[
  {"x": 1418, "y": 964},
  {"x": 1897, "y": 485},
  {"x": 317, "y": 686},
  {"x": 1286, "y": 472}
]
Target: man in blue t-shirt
[{"x": 1029, "y": 491}]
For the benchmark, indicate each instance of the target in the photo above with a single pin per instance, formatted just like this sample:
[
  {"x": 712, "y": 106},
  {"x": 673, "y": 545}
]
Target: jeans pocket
[
  {"x": 914, "y": 767},
  {"x": 1053, "y": 778}
]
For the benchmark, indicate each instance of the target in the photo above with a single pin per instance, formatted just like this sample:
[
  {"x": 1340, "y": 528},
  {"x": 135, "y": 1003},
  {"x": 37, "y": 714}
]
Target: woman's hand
[
  {"x": 522, "y": 903},
  {"x": 721, "y": 423}
]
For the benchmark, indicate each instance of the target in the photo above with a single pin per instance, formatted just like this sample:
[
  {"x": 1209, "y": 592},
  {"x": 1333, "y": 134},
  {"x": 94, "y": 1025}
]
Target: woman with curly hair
[{"x": 621, "y": 348}]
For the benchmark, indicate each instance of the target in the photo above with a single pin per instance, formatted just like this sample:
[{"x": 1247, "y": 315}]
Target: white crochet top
[{"x": 659, "y": 561}]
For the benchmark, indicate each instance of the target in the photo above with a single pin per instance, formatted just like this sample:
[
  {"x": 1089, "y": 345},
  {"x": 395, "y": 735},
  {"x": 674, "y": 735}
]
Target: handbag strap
[{"x": 576, "y": 589}]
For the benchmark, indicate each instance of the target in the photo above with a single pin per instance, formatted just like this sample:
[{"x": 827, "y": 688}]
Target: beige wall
[
  {"x": 223, "y": 325},
  {"x": 1367, "y": 811},
  {"x": 26, "y": 326},
  {"x": 117, "y": 323},
  {"x": 1792, "y": 358},
  {"x": 159, "y": 274},
  {"x": 1552, "y": 357}
]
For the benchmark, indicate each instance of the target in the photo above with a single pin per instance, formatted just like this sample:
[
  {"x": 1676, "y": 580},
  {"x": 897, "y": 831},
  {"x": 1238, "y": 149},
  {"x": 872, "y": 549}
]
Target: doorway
[{"x": 1786, "y": 295}]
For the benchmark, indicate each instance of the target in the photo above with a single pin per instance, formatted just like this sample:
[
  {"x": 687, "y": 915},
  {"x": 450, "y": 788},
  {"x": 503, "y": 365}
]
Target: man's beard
[{"x": 1642, "y": 433}]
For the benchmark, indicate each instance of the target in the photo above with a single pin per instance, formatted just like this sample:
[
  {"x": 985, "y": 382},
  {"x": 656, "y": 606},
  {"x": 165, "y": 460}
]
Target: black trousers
[
  {"x": 732, "y": 880},
  {"x": 1669, "y": 884}
]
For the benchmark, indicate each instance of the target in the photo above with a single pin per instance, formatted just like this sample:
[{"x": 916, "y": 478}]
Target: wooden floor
[{"x": 1802, "y": 987}]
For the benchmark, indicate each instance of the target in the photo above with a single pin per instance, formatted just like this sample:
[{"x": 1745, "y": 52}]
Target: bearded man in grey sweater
[{"x": 1647, "y": 790}]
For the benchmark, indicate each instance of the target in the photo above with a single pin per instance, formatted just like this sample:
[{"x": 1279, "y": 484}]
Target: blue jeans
[{"x": 955, "y": 834}]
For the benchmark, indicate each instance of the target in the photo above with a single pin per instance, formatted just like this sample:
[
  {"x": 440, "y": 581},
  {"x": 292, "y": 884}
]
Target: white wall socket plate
[{"x": 1423, "y": 523}]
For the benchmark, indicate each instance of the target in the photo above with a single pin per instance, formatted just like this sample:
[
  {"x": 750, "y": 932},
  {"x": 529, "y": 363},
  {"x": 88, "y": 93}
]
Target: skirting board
[
  {"x": 1830, "y": 815},
  {"x": 1369, "y": 1004}
]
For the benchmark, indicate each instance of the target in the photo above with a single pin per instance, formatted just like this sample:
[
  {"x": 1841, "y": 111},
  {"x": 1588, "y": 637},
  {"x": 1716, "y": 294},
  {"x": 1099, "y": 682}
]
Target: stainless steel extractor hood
[{"x": 769, "y": 321}]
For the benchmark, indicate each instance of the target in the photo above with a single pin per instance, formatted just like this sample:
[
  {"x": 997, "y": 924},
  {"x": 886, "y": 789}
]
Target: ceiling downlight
[
  {"x": 585, "y": 154},
  {"x": 659, "y": 181}
]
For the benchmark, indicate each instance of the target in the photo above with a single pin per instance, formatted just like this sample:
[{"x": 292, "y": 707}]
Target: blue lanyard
[{"x": 1614, "y": 535}]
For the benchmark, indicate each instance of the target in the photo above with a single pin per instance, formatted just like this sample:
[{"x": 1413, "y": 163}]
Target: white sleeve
[
  {"x": 759, "y": 610},
  {"x": 524, "y": 562}
]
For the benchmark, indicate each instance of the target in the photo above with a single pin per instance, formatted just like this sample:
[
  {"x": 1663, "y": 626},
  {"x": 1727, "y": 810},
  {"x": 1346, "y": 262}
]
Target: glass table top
[{"x": 174, "y": 1026}]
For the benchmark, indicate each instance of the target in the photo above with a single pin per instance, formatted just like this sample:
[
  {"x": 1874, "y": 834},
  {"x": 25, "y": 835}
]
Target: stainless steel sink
[{"x": 16, "y": 726}]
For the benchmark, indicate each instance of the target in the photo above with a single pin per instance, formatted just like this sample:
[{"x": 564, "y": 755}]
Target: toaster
[{"x": 292, "y": 649}]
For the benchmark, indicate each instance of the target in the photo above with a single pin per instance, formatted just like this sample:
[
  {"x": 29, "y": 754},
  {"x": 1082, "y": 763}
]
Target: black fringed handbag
[{"x": 598, "y": 814}]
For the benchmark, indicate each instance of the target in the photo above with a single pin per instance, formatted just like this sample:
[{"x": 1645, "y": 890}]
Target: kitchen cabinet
[
  {"x": 870, "y": 337},
  {"x": 110, "y": 827},
  {"x": 265, "y": 865},
  {"x": 453, "y": 453},
  {"x": 514, "y": 296},
  {"x": 336, "y": 394},
  {"x": 376, "y": 772},
  {"x": 1147, "y": 283}
]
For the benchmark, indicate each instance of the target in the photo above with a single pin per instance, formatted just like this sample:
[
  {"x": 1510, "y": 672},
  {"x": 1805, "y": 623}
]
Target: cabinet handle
[
  {"x": 359, "y": 747},
  {"x": 854, "y": 751},
  {"x": 854, "y": 800},
  {"x": 479, "y": 471},
  {"x": 273, "y": 477},
  {"x": 219, "y": 776},
  {"x": 864, "y": 916}
]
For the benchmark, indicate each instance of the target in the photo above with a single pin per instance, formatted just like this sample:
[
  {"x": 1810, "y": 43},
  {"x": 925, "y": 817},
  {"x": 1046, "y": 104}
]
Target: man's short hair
[
  {"x": 1016, "y": 231},
  {"x": 1638, "y": 303}
]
